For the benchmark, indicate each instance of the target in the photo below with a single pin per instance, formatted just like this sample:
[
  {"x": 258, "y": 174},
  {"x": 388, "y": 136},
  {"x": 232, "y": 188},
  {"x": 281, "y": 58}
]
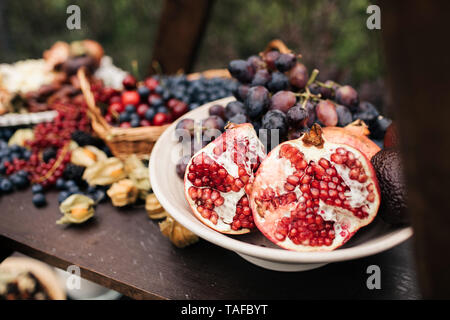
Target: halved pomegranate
[
  {"x": 352, "y": 137},
  {"x": 313, "y": 195},
  {"x": 217, "y": 179}
]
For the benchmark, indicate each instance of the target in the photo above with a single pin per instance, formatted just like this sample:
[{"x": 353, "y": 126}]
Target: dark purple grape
[
  {"x": 278, "y": 82},
  {"x": 297, "y": 116},
  {"x": 274, "y": 121},
  {"x": 217, "y": 110},
  {"x": 270, "y": 58},
  {"x": 256, "y": 125},
  {"x": 378, "y": 129},
  {"x": 366, "y": 112},
  {"x": 298, "y": 76},
  {"x": 197, "y": 144},
  {"x": 213, "y": 122},
  {"x": 285, "y": 62},
  {"x": 182, "y": 165},
  {"x": 283, "y": 101},
  {"x": 238, "y": 118},
  {"x": 314, "y": 88},
  {"x": 311, "y": 108},
  {"x": 347, "y": 96},
  {"x": 296, "y": 133},
  {"x": 257, "y": 102},
  {"x": 233, "y": 108},
  {"x": 240, "y": 92},
  {"x": 261, "y": 78},
  {"x": 328, "y": 91},
  {"x": 256, "y": 62},
  {"x": 184, "y": 128},
  {"x": 241, "y": 70},
  {"x": 344, "y": 115}
]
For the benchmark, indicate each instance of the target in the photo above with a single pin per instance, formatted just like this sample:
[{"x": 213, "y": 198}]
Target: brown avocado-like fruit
[{"x": 388, "y": 166}]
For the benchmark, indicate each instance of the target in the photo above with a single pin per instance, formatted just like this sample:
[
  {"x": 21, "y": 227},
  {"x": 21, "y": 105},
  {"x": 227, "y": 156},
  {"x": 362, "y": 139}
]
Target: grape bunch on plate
[{"x": 276, "y": 92}]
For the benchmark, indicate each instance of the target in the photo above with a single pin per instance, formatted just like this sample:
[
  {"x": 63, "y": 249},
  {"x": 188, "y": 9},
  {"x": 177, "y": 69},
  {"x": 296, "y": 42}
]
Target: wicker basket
[{"x": 125, "y": 141}]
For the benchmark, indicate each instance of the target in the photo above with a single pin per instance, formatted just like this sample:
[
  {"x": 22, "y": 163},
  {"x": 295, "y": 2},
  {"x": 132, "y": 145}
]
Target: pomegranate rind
[
  {"x": 242, "y": 132},
  {"x": 273, "y": 172},
  {"x": 344, "y": 136}
]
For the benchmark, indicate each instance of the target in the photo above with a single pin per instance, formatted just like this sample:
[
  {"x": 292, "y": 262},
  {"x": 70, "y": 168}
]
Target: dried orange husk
[
  {"x": 76, "y": 209},
  {"x": 178, "y": 235},
  {"x": 20, "y": 136},
  {"x": 138, "y": 172},
  {"x": 105, "y": 172},
  {"x": 154, "y": 208},
  {"x": 87, "y": 156},
  {"x": 358, "y": 127},
  {"x": 123, "y": 193}
]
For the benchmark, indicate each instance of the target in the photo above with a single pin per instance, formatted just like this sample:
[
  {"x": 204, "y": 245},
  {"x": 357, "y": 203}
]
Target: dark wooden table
[{"x": 125, "y": 251}]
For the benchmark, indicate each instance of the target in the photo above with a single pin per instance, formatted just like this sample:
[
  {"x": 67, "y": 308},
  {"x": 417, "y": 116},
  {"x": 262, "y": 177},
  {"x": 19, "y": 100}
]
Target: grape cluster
[{"x": 275, "y": 91}]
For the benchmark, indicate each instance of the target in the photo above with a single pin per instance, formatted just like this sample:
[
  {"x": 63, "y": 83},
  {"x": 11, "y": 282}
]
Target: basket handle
[
  {"x": 277, "y": 44},
  {"x": 93, "y": 111}
]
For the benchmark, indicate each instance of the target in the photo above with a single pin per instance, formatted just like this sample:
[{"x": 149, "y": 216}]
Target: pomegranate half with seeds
[
  {"x": 218, "y": 177},
  {"x": 313, "y": 195}
]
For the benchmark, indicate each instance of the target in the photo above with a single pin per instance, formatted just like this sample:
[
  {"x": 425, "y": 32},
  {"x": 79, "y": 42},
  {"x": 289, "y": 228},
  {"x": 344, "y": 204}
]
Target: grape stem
[{"x": 313, "y": 77}]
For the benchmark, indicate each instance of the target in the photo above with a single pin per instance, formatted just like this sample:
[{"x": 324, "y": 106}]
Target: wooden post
[
  {"x": 181, "y": 28},
  {"x": 414, "y": 36}
]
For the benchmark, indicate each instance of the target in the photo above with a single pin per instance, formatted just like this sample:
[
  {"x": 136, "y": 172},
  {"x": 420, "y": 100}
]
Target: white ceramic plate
[{"x": 254, "y": 247}]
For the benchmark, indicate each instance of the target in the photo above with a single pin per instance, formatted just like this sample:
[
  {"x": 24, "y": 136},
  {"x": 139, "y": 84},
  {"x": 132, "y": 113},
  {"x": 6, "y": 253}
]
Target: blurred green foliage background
[{"x": 330, "y": 34}]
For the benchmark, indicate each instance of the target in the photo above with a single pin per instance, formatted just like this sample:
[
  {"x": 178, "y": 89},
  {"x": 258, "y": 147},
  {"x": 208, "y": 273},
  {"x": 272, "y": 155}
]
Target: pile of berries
[{"x": 157, "y": 100}]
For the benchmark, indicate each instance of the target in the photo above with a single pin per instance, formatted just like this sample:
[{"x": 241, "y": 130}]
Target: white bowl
[{"x": 254, "y": 247}]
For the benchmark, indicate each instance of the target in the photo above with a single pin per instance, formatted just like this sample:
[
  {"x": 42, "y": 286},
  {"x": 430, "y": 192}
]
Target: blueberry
[
  {"x": 73, "y": 190},
  {"x": 70, "y": 184},
  {"x": 156, "y": 102},
  {"x": 19, "y": 181},
  {"x": 23, "y": 173},
  {"x": 166, "y": 95},
  {"x": 37, "y": 188},
  {"x": 60, "y": 184},
  {"x": 135, "y": 123},
  {"x": 26, "y": 154},
  {"x": 39, "y": 200},
  {"x": 150, "y": 114},
  {"x": 193, "y": 106},
  {"x": 98, "y": 195},
  {"x": 91, "y": 189},
  {"x": 15, "y": 155},
  {"x": 162, "y": 109},
  {"x": 2, "y": 168},
  {"x": 159, "y": 90},
  {"x": 134, "y": 117},
  {"x": 130, "y": 108},
  {"x": 143, "y": 92},
  {"x": 15, "y": 148},
  {"x": 124, "y": 117},
  {"x": 6, "y": 186},
  {"x": 63, "y": 195}
]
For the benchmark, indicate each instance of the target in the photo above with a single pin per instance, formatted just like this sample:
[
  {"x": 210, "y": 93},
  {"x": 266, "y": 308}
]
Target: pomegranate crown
[{"x": 314, "y": 137}]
